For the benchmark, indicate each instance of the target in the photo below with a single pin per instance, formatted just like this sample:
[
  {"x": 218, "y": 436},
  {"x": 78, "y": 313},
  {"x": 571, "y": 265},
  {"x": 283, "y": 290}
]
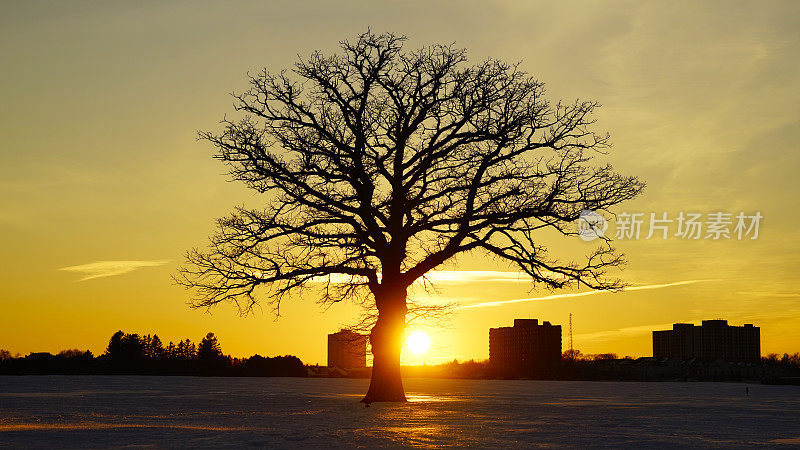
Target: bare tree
[{"x": 378, "y": 165}]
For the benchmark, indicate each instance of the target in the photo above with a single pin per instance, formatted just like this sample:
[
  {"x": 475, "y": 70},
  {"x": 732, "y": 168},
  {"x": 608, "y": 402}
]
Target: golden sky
[{"x": 103, "y": 185}]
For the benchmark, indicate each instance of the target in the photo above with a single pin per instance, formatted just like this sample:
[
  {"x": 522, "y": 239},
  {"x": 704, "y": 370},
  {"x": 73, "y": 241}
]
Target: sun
[{"x": 418, "y": 342}]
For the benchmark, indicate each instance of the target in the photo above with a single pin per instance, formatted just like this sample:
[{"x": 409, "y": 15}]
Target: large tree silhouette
[{"x": 377, "y": 165}]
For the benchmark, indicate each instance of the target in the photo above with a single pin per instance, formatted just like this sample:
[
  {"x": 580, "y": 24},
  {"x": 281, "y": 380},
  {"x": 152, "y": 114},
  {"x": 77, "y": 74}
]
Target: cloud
[
  {"x": 769, "y": 294},
  {"x": 622, "y": 332},
  {"x": 582, "y": 294},
  {"x": 472, "y": 276},
  {"x": 99, "y": 269},
  {"x": 444, "y": 277}
]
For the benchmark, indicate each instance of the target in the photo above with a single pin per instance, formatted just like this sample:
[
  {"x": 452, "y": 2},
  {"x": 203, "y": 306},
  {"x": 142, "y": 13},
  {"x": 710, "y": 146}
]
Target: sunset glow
[
  {"x": 92, "y": 233},
  {"x": 399, "y": 224}
]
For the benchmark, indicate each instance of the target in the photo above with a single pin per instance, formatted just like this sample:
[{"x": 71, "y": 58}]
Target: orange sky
[{"x": 100, "y": 170}]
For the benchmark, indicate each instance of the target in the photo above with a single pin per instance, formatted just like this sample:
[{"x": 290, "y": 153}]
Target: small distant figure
[{"x": 747, "y": 391}]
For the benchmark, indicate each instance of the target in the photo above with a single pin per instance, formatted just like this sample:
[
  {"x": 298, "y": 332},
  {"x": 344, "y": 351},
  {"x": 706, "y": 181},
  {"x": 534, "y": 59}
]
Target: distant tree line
[
  {"x": 134, "y": 354},
  {"x": 576, "y": 355},
  {"x": 787, "y": 360},
  {"x": 772, "y": 369}
]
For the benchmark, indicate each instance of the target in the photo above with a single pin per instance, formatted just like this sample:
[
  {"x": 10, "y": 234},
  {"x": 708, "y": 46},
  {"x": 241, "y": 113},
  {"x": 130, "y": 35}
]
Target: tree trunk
[{"x": 386, "y": 340}]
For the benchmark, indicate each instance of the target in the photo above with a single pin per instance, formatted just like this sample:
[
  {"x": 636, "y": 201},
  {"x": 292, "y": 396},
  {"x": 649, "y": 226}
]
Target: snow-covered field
[{"x": 94, "y": 411}]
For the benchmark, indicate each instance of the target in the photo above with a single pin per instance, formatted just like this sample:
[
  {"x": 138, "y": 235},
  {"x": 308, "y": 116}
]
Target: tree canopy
[{"x": 377, "y": 162}]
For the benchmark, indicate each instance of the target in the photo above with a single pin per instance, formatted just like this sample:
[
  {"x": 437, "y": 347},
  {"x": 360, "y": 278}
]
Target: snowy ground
[{"x": 93, "y": 411}]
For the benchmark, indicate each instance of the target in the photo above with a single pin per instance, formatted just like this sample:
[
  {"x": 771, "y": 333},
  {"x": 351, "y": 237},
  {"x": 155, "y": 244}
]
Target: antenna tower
[{"x": 571, "y": 349}]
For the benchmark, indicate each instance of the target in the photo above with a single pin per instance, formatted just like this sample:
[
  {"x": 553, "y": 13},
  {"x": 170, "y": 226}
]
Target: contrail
[
  {"x": 581, "y": 294},
  {"x": 99, "y": 269}
]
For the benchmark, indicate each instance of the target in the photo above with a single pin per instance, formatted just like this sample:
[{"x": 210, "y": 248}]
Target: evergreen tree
[
  {"x": 156, "y": 348},
  {"x": 209, "y": 349},
  {"x": 186, "y": 350},
  {"x": 114, "y": 348}
]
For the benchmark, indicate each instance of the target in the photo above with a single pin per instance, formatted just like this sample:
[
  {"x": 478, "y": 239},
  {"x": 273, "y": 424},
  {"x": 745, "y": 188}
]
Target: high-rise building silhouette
[
  {"x": 347, "y": 350},
  {"x": 527, "y": 348},
  {"x": 714, "y": 339}
]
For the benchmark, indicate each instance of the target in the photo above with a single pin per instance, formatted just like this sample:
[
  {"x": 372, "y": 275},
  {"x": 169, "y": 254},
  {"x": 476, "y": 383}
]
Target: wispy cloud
[
  {"x": 99, "y": 269},
  {"x": 622, "y": 332},
  {"x": 472, "y": 276},
  {"x": 582, "y": 294},
  {"x": 769, "y": 294},
  {"x": 445, "y": 277}
]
